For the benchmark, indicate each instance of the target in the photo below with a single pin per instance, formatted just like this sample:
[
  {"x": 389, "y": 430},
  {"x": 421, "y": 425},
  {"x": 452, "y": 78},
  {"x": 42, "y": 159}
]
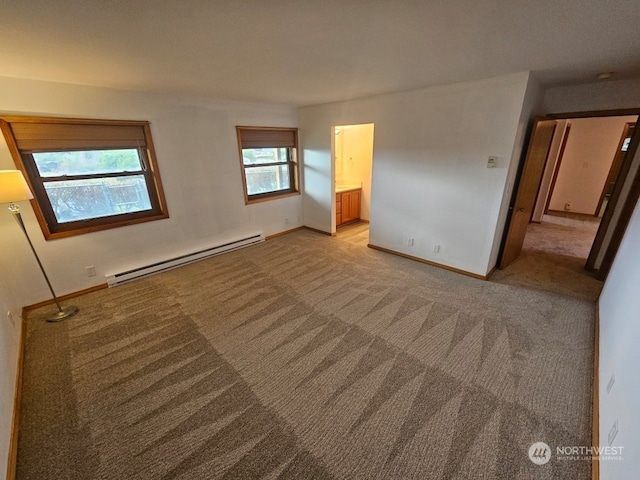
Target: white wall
[
  {"x": 338, "y": 153},
  {"x": 11, "y": 299},
  {"x": 430, "y": 180},
  {"x": 318, "y": 176},
  {"x": 591, "y": 146},
  {"x": 604, "y": 95},
  {"x": 197, "y": 153},
  {"x": 531, "y": 108},
  {"x": 620, "y": 356}
]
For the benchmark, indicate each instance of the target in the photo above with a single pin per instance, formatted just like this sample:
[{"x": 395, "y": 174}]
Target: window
[
  {"x": 268, "y": 157},
  {"x": 87, "y": 175}
]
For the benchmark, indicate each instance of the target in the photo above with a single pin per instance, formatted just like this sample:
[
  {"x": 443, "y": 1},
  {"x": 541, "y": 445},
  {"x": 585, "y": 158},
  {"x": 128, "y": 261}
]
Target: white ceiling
[{"x": 304, "y": 52}]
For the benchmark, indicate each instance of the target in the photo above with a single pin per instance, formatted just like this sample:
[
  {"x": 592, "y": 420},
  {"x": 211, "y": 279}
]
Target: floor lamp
[{"x": 13, "y": 189}]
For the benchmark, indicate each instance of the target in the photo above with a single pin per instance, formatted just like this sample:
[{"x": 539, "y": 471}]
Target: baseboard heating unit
[{"x": 175, "y": 262}]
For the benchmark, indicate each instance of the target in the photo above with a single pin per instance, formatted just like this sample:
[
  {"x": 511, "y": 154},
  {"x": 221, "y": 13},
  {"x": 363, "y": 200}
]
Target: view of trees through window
[
  {"x": 107, "y": 185},
  {"x": 87, "y": 175},
  {"x": 269, "y": 171},
  {"x": 87, "y": 162}
]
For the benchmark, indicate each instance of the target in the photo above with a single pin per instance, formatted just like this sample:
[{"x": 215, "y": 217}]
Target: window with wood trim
[
  {"x": 87, "y": 175},
  {"x": 269, "y": 162}
]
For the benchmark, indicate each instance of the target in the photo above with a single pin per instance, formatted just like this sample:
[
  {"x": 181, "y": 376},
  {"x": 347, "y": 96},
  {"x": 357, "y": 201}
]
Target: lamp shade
[{"x": 13, "y": 187}]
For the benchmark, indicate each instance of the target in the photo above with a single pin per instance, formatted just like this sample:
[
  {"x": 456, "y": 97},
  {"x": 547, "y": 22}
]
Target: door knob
[{"x": 520, "y": 209}]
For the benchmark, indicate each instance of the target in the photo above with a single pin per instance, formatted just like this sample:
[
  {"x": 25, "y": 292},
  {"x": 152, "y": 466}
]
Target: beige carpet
[
  {"x": 553, "y": 258},
  {"x": 308, "y": 357}
]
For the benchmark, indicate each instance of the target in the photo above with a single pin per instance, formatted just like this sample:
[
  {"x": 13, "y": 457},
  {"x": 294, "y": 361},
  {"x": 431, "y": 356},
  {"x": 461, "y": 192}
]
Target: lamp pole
[
  {"x": 62, "y": 313},
  {"x": 14, "y": 188}
]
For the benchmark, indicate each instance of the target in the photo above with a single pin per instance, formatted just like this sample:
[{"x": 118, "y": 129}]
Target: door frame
[
  {"x": 616, "y": 164},
  {"x": 616, "y": 227},
  {"x": 335, "y": 128}
]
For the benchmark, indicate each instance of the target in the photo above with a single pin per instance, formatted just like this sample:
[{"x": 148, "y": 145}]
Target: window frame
[
  {"x": 292, "y": 163},
  {"x": 24, "y": 161}
]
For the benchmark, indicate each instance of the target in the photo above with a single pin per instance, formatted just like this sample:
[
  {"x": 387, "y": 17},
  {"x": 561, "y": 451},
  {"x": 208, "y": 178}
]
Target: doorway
[
  {"x": 569, "y": 175},
  {"x": 584, "y": 171},
  {"x": 352, "y": 153}
]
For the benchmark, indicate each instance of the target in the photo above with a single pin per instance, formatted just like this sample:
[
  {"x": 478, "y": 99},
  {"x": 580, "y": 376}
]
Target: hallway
[{"x": 553, "y": 258}]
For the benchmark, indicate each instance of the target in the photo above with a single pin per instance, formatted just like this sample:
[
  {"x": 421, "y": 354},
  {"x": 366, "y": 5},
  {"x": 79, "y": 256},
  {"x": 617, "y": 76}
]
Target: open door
[
  {"x": 621, "y": 153},
  {"x": 522, "y": 208},
  {"x": 617, "y": 215}
]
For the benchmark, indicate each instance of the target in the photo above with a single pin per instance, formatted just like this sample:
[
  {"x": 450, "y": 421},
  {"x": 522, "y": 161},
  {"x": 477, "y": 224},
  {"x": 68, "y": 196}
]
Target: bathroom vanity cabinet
[{"x": 348, "y": 205}]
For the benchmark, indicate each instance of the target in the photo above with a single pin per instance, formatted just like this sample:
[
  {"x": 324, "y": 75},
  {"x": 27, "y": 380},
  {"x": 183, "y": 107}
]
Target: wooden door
[
  {"x": 354, "y": 207},
  {"x": 522, "y": 208},
  {"x": 621, "y": 152},
  {"x": 617, "y": 215},
  {"x": 346, "y": 207},
  {"x": 350, "y": 206}
]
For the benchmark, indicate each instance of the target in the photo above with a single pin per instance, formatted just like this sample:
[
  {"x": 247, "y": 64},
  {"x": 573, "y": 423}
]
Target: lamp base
[{"x": 67, "y": 312}]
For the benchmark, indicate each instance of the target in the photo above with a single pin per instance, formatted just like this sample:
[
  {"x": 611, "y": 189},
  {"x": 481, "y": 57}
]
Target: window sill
[
  {"x": 268, "y": 197},
  {"x": 96, "y": 228}
]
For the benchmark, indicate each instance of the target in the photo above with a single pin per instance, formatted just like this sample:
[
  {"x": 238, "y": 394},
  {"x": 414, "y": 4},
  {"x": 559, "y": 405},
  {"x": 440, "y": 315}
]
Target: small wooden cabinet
[{"x": 348, "y": 206}]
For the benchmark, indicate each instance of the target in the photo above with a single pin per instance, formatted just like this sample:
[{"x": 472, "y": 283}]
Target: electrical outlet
[
  {"x": 567, "y": 206},
  {"x": 91, "y": 271},
  {"x": 613, "y": 432},
  {"x": 410, "y": 242},
  {"x": 612, "y": 380},
  {"x": 436, "y": 249},
  {"x": 492, "y": 162},
  {"x": 286, "y": 221}
]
